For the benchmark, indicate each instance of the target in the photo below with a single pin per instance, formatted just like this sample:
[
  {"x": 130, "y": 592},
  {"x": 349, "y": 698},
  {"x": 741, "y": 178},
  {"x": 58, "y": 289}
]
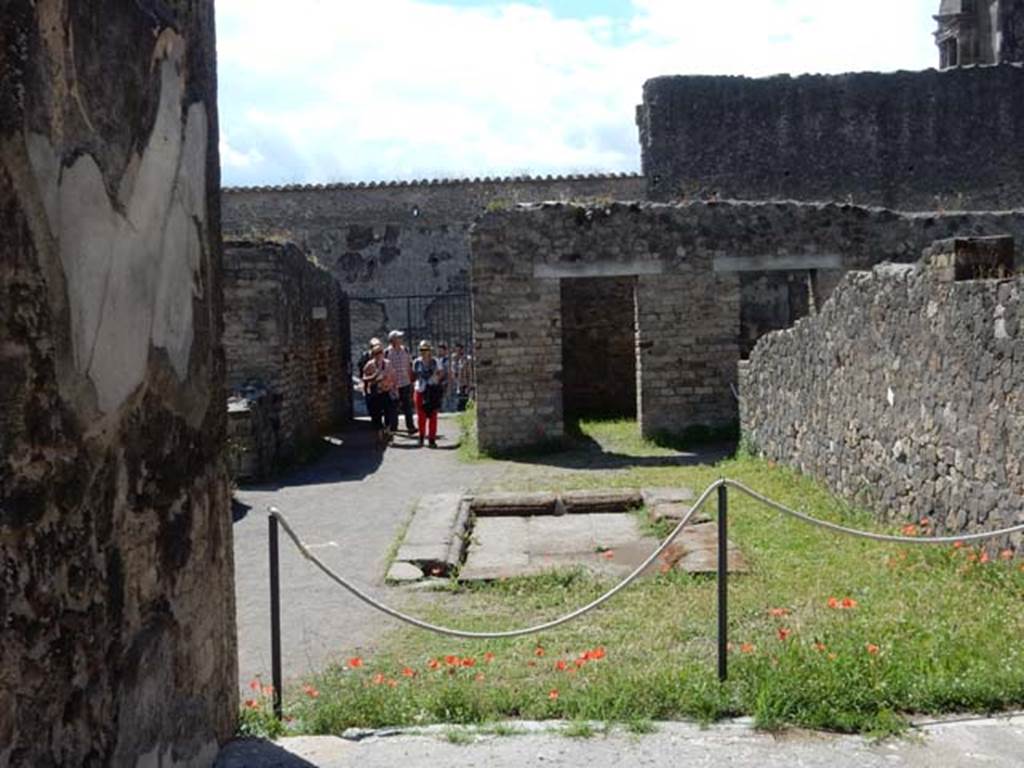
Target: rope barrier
[{"x": 701, "y": 500}]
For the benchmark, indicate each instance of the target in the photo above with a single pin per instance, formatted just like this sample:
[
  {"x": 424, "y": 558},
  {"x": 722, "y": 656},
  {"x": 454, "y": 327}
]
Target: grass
[{"x": 927, "y": 631}]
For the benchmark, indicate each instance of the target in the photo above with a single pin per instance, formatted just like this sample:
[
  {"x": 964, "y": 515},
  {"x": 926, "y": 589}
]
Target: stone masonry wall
[
  {"x": 400, "y": 238},
  {"x": 688, "y": 261},
  {"x": 906, "y": 393},
  {"x": 117, "y": 624},
  {"x": 599, "y": 346},
  {"x": 906, "y": 140},
  {"x": 286, "y": 327}
]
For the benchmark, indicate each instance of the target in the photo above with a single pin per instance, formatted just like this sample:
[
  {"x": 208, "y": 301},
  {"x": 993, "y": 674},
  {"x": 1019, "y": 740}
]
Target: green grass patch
[{"x": 925, "y": 630}]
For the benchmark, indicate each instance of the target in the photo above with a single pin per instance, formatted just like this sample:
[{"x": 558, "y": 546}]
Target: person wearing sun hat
[
  {"x": 379, "y": 381},
  {"x": 401, "y": 363},
  {"x": 427, "y": 376}
]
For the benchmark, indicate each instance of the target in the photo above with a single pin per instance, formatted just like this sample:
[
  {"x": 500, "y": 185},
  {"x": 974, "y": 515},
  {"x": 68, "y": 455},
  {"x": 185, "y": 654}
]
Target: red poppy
[
  {"x": 579, "y": 663},
  {"x": 452, "y": 661},
  {"x": 560, "y": 665},
  {"x": 531, "y": 663},
  {"x": 958, "y": 545},
  {"x": 408, "y": 672},
  {"x": 311, "y": 691},
  {"x": 778, "y": 612},
  {"x": 378, "y": 679},
  {"x": 909, "y": 530},
  {"x": 747, "y": 648},
  {"x": 848, "y": 603},
  {"x": 784, "y": 633},
  {"x": 433, "y": 663},
  {"x": 597, "y": 653},
  {"x": 833, "y": 602},
  {"x": 488, "y": 657},
  {"x": 468, "y": 662},
  {"x": 252, "y": 704},
  {"x": 255, "y": 684},
  {"x": 553, "y": 694},
  {"x": 819, "y": 647},
  {"x": 871, "y": 648},
  {"x": 984, "y": 557},
  {"x": 268, "y": 690},
  {"x": 538, "y": 651},
  {"x": 355, "y": 662}
]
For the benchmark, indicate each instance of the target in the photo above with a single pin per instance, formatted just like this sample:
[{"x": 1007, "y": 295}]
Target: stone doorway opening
[{"x": 598, "y": 347}]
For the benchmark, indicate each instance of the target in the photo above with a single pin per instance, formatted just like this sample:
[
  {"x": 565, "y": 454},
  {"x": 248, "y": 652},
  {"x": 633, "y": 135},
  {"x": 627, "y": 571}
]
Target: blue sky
[{"x": 358, "y": 90}]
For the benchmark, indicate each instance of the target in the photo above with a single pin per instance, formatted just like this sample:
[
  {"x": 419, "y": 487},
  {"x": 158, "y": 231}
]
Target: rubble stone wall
[
  {"x": 689, "y": 262},
  {"x": 116, "y": 597},
  {"x": 906, "y": 140},
  {"x": 286, "y": 329},
  {"x": 390, "y": 240},
  {"x": 905, "y": 393}
]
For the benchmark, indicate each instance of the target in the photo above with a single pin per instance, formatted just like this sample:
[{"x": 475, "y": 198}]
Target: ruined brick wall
[
  {"x": 599, "y": 346},
  {"x": 286, "y": 326},
  {"x": 400, "y": 238},
  {"x": 906, "y": 140},
  {"x": 906, "y": 393},
  {"x": 116, "y": 595},
  {"x": 689, "y": 262}
]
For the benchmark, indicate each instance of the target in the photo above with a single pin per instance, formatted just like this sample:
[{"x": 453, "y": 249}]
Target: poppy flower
[
  {"x": 784, "y": 633},
  {"x": 255, "y": 684},
  {"x": 819, "y": 647},
  {"x": 488, "y": 657},
  {"x": 925, "y": 522},
  {"x": 833, "y": 602},
  {"x": 433, "y": 664},
  {"x": 252, "y": 704},
  {"x": 355, "y": 662},
  {"x": 468, "y": 662},
  {"x": 1006, "y": 554},
  {"x": 538, "y": 651},
  {"x": 910, "y": 530},
  {"x": 778, "y": 612},
  {"x": 268, "y": 690},
  {"x": 531, "y": 663},
  {"x": 408, "y": 672},
  {"x": 984, "y": 557},
  {"x": 452, "y": 661},
  {"x": 553, "y": 694},
  {"x": 560, "y": 665},
  {"x": 597, "y": 653},
  {"x": 378, "y": 679},
  {"x": 848, "y": 603},
  {"x": 747, "y": 648},
  {"x": 311, "y": 691},
  {"x": 579, "y": 663},
  {"x": 958, "y": 545},
  {"x": 871, "y": 648}
]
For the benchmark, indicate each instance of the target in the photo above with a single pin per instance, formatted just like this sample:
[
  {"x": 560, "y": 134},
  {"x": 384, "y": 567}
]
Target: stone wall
[
  {"x": 906, "y": 140},
  {"x": 689, "y": 262},
  {"x": 904, "y": 393},
  {"x": 116, "y": 595},
  {"x": 401, "y": 238},
  {"x": 599, "y": 346},
  {"x": 286, "y": 328}
]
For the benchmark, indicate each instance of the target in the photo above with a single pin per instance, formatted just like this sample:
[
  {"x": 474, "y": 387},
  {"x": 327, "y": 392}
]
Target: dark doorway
[{"x": 599, "y": 347}]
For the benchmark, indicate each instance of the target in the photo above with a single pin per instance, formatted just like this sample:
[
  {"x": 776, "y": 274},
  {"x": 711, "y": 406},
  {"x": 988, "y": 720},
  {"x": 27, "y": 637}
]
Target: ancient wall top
[{"x": 523, "y": 179}]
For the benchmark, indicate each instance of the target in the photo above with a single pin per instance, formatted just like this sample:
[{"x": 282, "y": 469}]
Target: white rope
[{"x": 452, "y": 632}]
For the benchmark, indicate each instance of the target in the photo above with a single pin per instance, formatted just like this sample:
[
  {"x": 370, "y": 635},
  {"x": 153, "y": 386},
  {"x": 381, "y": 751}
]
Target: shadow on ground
[{"x": 581, "y": 451}]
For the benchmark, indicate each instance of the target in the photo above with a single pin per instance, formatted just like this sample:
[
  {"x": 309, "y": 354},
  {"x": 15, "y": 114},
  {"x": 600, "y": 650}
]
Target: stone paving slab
[
  {"x": 654, "y": 496},
  {"x": 993, "y": 742},
  {"x": 433, "y": 539},
  {"x": 611, "y": 544}
]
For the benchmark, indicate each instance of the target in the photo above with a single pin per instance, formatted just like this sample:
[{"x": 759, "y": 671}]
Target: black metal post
[
  {"x": 275, "y": 617},
  {"x": 723, "y": 583}
]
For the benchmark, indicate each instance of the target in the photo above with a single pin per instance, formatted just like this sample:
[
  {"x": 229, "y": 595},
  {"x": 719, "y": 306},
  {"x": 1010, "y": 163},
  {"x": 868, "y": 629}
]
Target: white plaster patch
[{"x": 131, "y": 269}]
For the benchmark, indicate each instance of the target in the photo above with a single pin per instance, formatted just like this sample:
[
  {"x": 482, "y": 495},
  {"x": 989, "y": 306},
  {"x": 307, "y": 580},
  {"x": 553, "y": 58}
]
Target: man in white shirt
[{"x": 401, "y": 362}]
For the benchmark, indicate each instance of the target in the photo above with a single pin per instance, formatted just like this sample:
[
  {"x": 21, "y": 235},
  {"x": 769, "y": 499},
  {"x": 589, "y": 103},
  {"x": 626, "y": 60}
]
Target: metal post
[
  {"x": 275, "y": 616},
  {"x": 723, "y": 583}
]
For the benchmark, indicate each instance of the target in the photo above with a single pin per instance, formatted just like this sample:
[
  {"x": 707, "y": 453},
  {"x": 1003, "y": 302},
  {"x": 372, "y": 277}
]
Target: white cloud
[{"x": 348, "y": 89}]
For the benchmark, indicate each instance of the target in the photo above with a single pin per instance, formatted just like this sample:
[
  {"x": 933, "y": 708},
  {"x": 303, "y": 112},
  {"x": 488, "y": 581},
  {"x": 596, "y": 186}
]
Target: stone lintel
[
  {"x": 767, "y": 263},
  {"x": 543, "y": 271}
]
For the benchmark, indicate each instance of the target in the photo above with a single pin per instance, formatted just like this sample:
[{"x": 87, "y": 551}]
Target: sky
[{"x": 320, "y": 91}]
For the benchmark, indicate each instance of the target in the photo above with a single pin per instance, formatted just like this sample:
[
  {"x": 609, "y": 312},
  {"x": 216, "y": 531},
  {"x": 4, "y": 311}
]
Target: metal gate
[{"x": 439, "y": 318}]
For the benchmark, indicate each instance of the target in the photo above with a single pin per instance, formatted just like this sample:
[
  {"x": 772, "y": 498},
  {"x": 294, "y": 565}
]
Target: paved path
[
  {"x": 350, "y": 504},
  {"x": 992, "y": 742}
]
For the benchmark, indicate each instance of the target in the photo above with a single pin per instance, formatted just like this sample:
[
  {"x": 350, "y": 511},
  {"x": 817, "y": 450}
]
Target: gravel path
[{"x": 350, "y": 504}]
